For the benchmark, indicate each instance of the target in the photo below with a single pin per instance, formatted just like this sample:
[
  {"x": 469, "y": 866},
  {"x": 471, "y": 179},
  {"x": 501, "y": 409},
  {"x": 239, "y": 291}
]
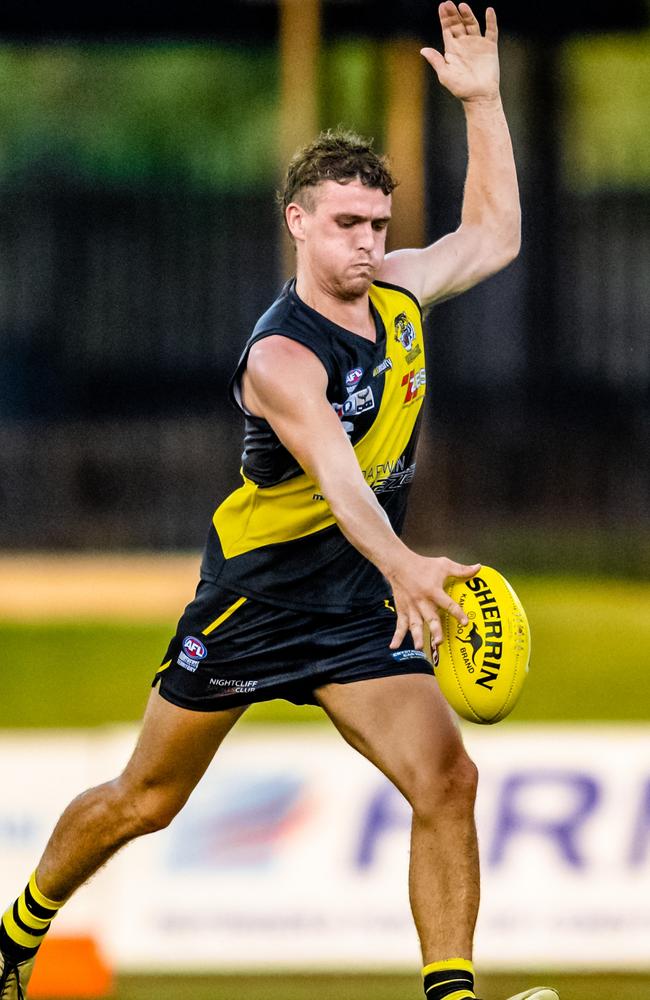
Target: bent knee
[
  {"x": 155, "y": 812},
  {"x": 440, "y": 786},
  {"x": 147, "y": 808}
]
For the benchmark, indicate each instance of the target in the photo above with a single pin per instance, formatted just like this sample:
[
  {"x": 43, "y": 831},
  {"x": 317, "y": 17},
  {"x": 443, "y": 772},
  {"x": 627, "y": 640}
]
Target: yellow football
[{"x": 482, "y": 666}]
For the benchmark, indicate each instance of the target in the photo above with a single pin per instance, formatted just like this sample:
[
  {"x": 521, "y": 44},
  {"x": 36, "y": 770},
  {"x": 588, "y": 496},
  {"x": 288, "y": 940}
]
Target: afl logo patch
[
  {"x": 194, "y": 648},
  {"x": 353, "y": 376}
]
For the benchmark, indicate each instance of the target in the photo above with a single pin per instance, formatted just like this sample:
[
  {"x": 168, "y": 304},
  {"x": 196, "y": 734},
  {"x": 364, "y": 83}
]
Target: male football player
[{"x": 307, "y": 592}]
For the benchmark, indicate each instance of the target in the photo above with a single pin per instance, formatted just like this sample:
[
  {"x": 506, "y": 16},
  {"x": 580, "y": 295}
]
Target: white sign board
[{"x": 293, "y": 851}]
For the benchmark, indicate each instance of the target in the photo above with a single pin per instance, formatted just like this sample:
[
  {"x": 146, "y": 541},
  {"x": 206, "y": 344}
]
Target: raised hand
[{"x": 469, "y": 68}]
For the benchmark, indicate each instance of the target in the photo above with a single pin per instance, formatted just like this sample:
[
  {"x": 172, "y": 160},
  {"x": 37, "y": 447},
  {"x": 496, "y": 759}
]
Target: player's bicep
[
  {"x": 288, "y": 386},
  {"x": 449, "y": 266}
]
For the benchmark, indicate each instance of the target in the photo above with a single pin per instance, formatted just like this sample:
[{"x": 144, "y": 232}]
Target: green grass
[
  {"x": 366, "y": 987},
  {"x": 591, "y": 660}
]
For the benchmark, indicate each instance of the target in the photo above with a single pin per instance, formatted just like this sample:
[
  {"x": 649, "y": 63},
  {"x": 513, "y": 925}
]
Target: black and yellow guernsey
[{"x": 275, "y": 538}]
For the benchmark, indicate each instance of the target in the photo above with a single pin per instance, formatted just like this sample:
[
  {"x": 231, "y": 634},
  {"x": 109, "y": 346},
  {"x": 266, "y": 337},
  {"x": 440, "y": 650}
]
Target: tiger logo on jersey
[{"x": 405, "y": 334}]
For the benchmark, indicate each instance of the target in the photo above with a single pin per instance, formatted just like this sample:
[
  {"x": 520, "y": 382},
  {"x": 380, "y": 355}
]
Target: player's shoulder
[
  {"x": 291, "y": 330},
  {"x": 280, "y": 373},
  {"x": 392, "y": 292},
  {"x": 276, "y": 348}
]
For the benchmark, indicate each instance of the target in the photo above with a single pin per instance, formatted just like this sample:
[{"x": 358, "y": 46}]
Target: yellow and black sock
[
  {"x": 452, "y": 979},
  {"x": 26, "y": 922}
]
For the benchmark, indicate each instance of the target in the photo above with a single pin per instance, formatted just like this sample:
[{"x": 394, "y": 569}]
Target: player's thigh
[
  {"x": 174, "y": 748},
  {"x": 404, "y": 726}
]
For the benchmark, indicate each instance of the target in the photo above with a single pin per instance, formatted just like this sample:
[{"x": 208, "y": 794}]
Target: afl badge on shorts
[{"x": 192, "y": 652}]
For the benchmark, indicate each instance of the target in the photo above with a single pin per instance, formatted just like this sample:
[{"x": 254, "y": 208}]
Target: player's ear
[{"x": 295, "y": 216}]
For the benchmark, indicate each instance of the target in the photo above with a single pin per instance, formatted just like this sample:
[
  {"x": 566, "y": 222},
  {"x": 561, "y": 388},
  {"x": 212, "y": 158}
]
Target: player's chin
[{"x": 354, "y": 286}]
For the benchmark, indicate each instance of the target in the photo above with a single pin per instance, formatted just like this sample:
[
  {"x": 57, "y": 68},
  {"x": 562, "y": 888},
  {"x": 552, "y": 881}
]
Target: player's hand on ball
[
  {"x": 469, "y": 69},
  {"x": 418, "y": 586}
]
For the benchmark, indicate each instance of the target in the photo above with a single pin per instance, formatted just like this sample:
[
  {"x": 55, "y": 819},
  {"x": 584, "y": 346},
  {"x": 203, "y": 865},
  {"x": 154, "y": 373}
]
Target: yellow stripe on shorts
[{"x": 226, "y": 614}]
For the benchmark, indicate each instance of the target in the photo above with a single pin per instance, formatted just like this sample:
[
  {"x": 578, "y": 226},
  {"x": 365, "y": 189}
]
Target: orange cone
[{"x": 70, "y": 967}]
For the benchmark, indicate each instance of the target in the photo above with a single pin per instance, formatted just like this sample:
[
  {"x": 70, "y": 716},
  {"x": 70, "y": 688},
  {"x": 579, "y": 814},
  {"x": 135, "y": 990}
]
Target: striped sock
[
  {"x": 26, "y": 922},
  {"x": 452, "y": 979}
]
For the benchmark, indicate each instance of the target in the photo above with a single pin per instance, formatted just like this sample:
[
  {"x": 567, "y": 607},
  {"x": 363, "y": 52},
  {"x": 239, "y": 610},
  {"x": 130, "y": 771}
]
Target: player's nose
[{"x": 366, "y": 237}]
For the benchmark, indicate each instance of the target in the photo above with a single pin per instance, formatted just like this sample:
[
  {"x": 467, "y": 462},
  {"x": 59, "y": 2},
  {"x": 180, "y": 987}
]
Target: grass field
[
  {"x": 590, "y": 660},
  {"x": 362, "y": 987}
]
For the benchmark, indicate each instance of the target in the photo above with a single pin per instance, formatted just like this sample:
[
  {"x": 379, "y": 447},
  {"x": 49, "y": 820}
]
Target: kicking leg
[
  {"x": 174, "y": 749},
  {"x": 404, "y": 726}
]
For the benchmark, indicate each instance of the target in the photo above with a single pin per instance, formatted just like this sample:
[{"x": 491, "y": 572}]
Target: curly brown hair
[{"x": 336, "y": 155}]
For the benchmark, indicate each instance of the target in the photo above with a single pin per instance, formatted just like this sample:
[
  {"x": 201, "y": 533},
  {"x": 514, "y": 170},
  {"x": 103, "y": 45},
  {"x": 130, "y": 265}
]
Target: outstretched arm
[{"x": 488, "y": 237}]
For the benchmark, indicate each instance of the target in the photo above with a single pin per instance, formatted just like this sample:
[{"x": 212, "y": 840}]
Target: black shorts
[{"x": 230, "y": 651}]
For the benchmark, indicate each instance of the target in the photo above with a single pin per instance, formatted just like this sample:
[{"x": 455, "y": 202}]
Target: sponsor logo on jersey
[
  {"x": 383, "y": 367},
  {"x": 390, "y": 475},
  {"x": 414, "y": 381},
  {"x": 395, "y": 481},
  {"x": 193, "y": 651},
  {"x": 352, "y": 377},
  {"x": 356, "y": 403}
]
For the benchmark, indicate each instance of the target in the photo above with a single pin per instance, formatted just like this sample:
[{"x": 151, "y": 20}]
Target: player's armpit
[
  {"x": 286, "y": 384},
  {"x": 449, "y": 266}
]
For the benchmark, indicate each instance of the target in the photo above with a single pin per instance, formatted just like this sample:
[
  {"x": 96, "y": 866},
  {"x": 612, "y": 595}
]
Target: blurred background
[
  {"x": 140, "y": 242},
  {"x": 140, "y": 152}
]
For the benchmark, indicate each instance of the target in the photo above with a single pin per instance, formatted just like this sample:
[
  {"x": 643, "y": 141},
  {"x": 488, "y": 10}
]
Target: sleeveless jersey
[{"x": 275, "y": 538}]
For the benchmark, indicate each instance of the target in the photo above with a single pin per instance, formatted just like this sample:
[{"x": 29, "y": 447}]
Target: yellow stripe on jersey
[
  {"x": 252, "y": 517},
  {"x": 222, "y": 618}
]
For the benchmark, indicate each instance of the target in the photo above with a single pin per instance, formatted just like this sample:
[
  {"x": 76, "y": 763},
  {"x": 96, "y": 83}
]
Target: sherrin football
[{"x": 482, "y": 666}]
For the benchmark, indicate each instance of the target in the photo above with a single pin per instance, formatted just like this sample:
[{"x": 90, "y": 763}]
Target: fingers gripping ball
[{"x": 482, "y": 666}]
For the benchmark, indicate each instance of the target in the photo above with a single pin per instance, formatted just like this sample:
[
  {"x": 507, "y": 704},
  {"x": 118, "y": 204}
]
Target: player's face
[{"x": 341, "y": 242}]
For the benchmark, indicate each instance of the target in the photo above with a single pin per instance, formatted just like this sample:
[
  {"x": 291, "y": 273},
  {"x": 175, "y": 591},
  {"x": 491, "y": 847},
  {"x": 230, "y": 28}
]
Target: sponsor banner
[{"x": 293, "y": 851}]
